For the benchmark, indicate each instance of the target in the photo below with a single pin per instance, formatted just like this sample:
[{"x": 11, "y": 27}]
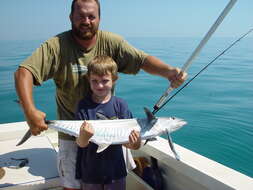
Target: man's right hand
[
  {"x": 36, "y": 121},
  {"x": 24, "y": 81}
]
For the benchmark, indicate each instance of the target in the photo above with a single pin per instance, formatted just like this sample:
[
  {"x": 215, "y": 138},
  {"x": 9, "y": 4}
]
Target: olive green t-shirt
[{"x": 63, "y": 60}]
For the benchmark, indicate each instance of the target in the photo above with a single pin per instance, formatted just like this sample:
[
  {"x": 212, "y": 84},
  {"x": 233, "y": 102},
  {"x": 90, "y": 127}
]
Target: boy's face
[{"x": 101, "y": 86}]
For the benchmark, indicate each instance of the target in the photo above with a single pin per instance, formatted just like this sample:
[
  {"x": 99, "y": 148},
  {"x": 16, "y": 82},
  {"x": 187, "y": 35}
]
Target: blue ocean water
[{"x": 218, "y": 105}]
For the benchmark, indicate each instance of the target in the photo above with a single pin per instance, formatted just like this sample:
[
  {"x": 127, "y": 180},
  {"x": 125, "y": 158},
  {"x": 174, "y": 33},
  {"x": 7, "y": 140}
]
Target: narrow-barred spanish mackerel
[{"x": 108, "y": 132}]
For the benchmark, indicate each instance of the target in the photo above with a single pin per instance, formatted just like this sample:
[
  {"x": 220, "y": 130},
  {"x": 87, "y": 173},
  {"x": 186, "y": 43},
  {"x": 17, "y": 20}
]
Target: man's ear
[{"x": 70, "y": 17}]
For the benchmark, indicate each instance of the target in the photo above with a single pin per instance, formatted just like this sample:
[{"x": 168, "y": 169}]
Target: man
[{"x": 63, "y": 58}]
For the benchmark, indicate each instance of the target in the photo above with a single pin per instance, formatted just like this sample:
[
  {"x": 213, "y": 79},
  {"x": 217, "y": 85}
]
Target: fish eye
[{"x": 23, "y": 163}]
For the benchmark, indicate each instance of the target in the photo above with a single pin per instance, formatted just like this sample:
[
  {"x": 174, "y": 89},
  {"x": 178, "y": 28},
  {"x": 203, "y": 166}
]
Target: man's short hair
[{"x": 74, "y": 1}]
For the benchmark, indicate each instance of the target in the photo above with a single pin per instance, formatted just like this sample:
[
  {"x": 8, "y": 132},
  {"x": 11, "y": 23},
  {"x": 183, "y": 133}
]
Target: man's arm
[
  {"x": 24, "y": 88},
  {"x": 155, "y": 66}
]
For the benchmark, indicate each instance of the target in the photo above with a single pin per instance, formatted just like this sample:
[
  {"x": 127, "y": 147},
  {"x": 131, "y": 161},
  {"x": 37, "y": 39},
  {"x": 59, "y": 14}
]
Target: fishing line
[
  {"x": 198, "y": 49},
  {"x": 186, "y": 84}
]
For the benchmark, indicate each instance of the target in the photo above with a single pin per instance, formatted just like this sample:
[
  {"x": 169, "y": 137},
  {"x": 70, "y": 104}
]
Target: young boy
[{"x": 105, "y": 170}]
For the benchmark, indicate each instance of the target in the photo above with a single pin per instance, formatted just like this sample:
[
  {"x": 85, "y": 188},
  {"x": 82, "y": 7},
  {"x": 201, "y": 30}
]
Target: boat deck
[
  {"x": 41, "y": 171},
  {"x": 193, "y": 172}
]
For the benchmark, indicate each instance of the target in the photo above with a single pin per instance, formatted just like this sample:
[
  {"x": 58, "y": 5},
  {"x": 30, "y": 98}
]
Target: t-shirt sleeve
[
  {"x": 42, "y": 63},
  {"x": 129, "y": 58}
]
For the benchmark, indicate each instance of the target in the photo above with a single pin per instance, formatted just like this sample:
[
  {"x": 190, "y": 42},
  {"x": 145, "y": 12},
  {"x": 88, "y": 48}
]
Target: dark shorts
[{"x": 115, "y": 185}]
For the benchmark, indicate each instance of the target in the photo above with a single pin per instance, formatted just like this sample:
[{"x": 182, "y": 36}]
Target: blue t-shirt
[{"x": 101, "y": 168}]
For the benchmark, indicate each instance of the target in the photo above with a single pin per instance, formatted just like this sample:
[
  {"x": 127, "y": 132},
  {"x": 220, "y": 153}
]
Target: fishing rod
[
  {"x": 219, "y": 20},
  {"x": 186, "y": 84}
]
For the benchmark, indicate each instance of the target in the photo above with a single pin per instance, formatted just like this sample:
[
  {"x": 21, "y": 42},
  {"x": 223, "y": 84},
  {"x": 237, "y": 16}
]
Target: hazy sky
[{"x": 41, "y": 19}]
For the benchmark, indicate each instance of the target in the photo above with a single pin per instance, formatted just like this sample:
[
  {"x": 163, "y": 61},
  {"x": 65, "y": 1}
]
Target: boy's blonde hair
[{"x": 102, "y": 65}]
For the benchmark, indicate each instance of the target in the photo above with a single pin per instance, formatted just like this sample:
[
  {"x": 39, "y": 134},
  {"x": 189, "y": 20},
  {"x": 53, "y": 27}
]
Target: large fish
[{"x": 108, "y": 132}]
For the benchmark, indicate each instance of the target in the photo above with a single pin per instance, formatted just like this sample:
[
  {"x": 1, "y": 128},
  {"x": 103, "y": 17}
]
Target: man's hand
[
  {"x": 155, "y": 66},
  {"x": 176, "y": 77},
  {"x": 86, "y": 132},
  {"x": 24, "y": 86},
  {"x": 36, "y": 121}
]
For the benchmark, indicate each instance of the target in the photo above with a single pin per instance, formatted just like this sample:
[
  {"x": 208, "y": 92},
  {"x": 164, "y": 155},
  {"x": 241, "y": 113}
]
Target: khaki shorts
[{"x": 67, "y": 163}]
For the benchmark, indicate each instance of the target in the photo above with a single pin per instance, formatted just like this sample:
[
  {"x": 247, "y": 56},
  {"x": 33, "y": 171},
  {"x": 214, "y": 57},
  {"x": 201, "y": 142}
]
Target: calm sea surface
[{"x": 218, "y": 105}]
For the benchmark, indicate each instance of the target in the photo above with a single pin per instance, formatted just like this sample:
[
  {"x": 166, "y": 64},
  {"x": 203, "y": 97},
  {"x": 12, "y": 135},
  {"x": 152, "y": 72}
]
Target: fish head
[{"x": 170, "y": 123}]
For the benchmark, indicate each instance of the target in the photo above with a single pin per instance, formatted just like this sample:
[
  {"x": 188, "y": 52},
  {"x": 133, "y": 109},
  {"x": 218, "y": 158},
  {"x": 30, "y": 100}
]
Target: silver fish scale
[
  {"x": 118, "y": 131},
  {"x": 108, "y": 132},
  {"x": 111, "y": 134},
  {"x": 68, "y": 127}
]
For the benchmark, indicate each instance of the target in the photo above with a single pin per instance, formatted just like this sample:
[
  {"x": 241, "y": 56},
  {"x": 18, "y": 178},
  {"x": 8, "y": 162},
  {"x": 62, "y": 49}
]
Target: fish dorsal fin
[
  {"x": 150, "y": 139},
  {"x": 150, "y": 117},
  {"x": 102, "y": 147}
]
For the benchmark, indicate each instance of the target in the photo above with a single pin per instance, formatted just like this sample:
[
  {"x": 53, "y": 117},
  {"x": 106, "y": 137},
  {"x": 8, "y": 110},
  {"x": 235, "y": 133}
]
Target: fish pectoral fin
[
  {"x": 151, "y": 139},
  {"x": 102, "y": 147},
  {"x": 172, "y": 146}
]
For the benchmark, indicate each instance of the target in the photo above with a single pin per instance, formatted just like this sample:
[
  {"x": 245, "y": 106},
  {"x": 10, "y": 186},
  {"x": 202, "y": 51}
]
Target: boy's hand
[
  {"x": 134, "y": 140},
  {"x": 86, "y": 132}
]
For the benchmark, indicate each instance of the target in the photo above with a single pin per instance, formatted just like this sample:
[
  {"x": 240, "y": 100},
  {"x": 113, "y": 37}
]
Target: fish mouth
[
  {"x": 182, "y": 122},
  {"x": 178, "y": 123}
]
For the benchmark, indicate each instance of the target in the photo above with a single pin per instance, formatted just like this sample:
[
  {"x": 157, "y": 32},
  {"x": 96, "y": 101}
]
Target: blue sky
[{"x": 41, "y": 19}]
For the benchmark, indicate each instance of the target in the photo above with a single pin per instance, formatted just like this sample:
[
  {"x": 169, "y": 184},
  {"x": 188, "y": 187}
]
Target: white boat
[{"x": 193, "y": 172}]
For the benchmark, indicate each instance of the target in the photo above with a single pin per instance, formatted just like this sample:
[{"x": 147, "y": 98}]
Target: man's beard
[{"x": 87, "y": 35}]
